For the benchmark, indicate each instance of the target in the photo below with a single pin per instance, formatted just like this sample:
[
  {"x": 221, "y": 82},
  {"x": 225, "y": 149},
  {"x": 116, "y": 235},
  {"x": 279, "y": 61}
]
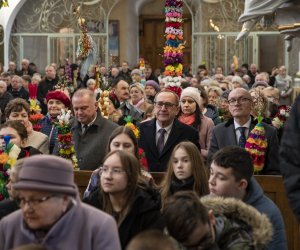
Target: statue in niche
[{"x": 287, "y": 17}]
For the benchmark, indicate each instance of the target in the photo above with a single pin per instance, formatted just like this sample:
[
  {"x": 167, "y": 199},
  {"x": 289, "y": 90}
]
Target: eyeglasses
[
  {"x": 33, "y": 202},
  {"x": 111, "y": 171},
  {"x": 166, "y": 104},
  {"x": 240, "y": 100}
]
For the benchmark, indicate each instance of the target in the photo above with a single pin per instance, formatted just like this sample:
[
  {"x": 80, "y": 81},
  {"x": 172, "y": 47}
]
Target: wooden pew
[{"x": 272, "y": 186}]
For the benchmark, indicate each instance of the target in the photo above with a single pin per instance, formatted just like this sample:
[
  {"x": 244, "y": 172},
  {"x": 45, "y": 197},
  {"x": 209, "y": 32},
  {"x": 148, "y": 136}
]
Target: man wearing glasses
[
  {"x": 159, "y": 136},
  {"x": 235, "y": 131},
  {"x": 51, "y": 213}
]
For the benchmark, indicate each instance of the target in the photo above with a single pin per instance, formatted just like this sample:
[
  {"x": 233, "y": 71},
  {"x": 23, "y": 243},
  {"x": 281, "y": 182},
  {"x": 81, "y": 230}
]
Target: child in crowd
[
  {"x": 186, "y": 171},
  {"x": 135, "y": 207}
]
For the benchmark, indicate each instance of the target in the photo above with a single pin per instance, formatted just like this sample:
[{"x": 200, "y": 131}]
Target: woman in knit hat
[
  {"x": 136, "y": 76},
  {"x": 138, "y": 97},
  {"x": 56, "y": 101},
  {"x": 191, "y": 114},
  {"x": 151, "y": 89}
]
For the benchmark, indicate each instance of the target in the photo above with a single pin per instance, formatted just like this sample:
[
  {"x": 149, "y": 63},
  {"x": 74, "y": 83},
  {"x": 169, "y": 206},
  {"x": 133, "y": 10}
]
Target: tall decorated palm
[{"x": 174, "y": 45}]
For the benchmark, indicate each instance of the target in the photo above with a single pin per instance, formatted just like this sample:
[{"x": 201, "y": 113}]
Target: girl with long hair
[
  {"x": 135, "y": 207},
  {"x": 185, "y": 171}
]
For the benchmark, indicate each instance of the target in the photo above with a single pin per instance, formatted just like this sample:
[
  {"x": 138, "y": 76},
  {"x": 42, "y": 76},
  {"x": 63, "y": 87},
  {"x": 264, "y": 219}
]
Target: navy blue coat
[{"x": 256, "y": 198}]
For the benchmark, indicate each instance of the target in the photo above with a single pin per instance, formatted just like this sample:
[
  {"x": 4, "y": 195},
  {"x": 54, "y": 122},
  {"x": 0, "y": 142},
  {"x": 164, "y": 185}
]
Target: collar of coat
[
  {"x": 231, "y": 122},
  {"x": 262, "y": 229}
]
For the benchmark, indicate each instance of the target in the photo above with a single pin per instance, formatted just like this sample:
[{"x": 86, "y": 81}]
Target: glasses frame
[
  {"x": 241, "y": 100},
  {"x": 168, "y": 105},
  {"x": 32, "y": 203}
]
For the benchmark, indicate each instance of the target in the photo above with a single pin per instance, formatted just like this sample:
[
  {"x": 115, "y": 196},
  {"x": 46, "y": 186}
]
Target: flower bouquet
[
  {"x": 281, "y": 117},
  {"x": 35, "y": 114},
  {"x": 257, "y": 143},
  {"x": 66, "y": 147},
  {"x": 136, "y": 131},
  {"x": 8, "y": 158}
]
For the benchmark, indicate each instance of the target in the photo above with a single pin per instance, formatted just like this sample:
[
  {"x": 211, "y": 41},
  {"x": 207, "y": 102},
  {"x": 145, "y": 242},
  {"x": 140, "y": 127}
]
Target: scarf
[
  {"x": 178, "y": 185},
  {"x": 187, "y": 119}
]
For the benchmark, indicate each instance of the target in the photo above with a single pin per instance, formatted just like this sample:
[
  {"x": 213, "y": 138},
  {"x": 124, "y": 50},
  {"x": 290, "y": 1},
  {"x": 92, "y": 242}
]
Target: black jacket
[
  {"x": 7, "y": 207},
  {"x": 143, "y": 215},
  {"x": 21, "y": 93},
  {"x": 44, "y": 87},
  {"x": 147, "y": 141},
  {"x": 4, "y": 100},
  {"x": 290, "y": 157}
]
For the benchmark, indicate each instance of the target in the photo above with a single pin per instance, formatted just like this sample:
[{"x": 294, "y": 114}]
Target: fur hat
[
  {"x": 192, "y": 93},
  {"x": 136, "y": 71},
  {"x": 59, "y": 95},
  {"x": 153, "y": 84},
  {"x": 47, "y": 173}
]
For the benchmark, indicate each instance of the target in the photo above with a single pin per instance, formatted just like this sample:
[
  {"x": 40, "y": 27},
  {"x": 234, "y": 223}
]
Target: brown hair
[
  {"x": 16, "y": 105},
  {"x": 127, "y": 131},
  {"x": 18, "y": 126},
  {"x": 182, "y": 213},
  {"x": 131, "y": 167},
  {"x": 198, "y": 171}
]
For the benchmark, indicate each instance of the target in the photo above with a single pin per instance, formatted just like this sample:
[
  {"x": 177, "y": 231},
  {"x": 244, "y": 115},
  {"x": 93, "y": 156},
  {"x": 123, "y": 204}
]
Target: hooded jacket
[
  {"x": 144, "y": 213},
  {"x": 234, "y": 216},
  {"x": 256, "y": 198}
]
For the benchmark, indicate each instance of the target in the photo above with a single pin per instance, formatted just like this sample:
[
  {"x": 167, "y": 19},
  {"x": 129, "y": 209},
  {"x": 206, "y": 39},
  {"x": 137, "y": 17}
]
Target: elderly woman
[
  {"x": 138, "y": 96},
  {"x": 19, "y": 109},
  {"x": 283, "y": 82},
  {"x": 56, "y": 101},
  {"x": 191, "y": 114},
  {"x": 51, "y": 212}
]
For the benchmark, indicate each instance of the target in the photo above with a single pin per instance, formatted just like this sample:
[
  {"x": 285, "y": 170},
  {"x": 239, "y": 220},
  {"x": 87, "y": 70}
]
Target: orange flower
[{"x": 3, "y": 158}]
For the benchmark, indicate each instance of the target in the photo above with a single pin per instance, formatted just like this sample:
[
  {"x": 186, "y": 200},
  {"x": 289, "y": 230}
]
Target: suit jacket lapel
[
  {"x": 150, "y": 135},
  {"x": 173, "y": 136},
  {"x": 231, "y": 137}
]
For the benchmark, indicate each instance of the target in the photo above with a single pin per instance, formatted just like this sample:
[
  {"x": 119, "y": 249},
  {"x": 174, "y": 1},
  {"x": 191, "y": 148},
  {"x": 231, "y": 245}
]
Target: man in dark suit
[
  {"x": 159, "y": 136},
  {"x": 236, "y": 130},
  {"x": 90, "y": 130}
]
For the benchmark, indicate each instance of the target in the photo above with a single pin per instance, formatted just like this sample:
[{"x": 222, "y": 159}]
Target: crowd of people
[{"x": 199, "y": 136}]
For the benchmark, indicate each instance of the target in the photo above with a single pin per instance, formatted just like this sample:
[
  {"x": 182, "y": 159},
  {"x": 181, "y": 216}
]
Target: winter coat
[
  {"x": 44, "y": 87},
  {"x": 4, "y": 100},
  {"x": 21, "y": 93},
  {"x": 290, "y": 157},
  {"x": 144, "y": 213},
  {"x": 238, "y": 226},
  {"x": 90, "y": 146},
  {"x": 37, "y": 140},
  {"x": 256, "y": 198},
  {"x": 212, "y": 112},
  {"x": 48, "y": 128},
  {"x": 7, "y": 207},
  {"x": 81, "y": 227}
]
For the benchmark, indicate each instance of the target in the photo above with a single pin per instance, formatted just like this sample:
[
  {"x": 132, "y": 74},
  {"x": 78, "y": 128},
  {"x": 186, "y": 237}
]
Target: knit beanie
[
  {"x": 136, "y": 71},
  {"x": 192, "y": 93},
  {"x": 153, "y": 84}
]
